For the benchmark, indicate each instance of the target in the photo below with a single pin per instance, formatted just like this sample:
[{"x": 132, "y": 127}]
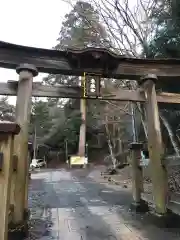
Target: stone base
[
  {"x": 168, "y": 220},
  {"x": 141, "y": 206},
  {"x": 19, "y": 231},
  {"x": 26, "y": 214}
]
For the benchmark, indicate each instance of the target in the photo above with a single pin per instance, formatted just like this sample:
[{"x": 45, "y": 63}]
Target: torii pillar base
[{"x": 140, "y": 206}]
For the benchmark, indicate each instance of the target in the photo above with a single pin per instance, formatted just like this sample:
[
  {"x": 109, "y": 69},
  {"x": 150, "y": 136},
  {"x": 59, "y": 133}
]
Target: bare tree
[
  {"x": 128, "y": 23},
  {"x": 130, "y": 28}
]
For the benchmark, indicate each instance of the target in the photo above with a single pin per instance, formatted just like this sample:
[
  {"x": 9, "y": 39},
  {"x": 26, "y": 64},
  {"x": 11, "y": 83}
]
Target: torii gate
[{"x": 28, "y": 61}]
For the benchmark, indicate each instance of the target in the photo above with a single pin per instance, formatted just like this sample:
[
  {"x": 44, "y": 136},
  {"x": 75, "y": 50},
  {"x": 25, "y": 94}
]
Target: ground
[{"x": 80, "y": 204}]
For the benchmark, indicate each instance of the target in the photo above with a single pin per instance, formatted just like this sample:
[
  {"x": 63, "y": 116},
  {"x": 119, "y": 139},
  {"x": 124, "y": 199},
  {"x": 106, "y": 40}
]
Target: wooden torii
[{"x": 28, "y": 61}]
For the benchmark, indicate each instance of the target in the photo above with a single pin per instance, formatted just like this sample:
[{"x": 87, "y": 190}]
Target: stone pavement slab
[{"x": 77, "y": 205}]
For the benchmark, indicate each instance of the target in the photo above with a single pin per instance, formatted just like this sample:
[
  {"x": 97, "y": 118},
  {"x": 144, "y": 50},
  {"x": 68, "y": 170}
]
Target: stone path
[{"x": 77, "y": 205}]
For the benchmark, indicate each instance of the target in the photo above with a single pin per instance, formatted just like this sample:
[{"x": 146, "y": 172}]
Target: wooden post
[
  {"x": 23, "y": 108},
  {"x": 82, "y": 135},
  {"x": 137, "y": 178},
  {"x": 155, "y": 146},
  {"x": 13, "y": 179},
  {"x": 7, "y": 132},
  {"x": 27, "y": 186}
]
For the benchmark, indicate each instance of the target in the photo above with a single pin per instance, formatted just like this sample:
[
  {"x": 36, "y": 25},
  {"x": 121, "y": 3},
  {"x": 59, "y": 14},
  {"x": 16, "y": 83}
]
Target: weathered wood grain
[
  {"x": 39, "y": 90},
  {"x": 91, "y": 60}
]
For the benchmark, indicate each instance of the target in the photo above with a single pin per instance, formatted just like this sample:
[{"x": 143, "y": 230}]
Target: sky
[{"x": 32, "y": 23}]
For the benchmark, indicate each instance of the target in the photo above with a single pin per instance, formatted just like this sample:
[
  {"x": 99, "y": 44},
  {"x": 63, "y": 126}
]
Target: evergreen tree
[
  {"x": 40, "y": 119},
  {"x": 166, "y": 42},
  {"x": 81, "y": 28}
]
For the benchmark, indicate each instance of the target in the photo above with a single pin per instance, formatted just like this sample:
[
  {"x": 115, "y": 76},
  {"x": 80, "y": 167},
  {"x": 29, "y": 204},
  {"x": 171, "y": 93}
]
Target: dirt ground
[{"x": 124, "y": 178}]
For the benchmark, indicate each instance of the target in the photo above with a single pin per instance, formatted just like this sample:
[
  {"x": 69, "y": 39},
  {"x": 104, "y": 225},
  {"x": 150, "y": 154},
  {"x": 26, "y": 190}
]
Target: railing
[{"x": 7, "y": 166}]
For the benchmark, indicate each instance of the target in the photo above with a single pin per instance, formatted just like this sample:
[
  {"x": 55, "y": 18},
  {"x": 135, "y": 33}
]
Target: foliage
[
  {"x": 81, "y": 28},
  {"x": 40, "y": 119},
  {"x": 7, "y": 111},
  {"x": 66, "y": 129},
  {"x": 166, "y": 42}
]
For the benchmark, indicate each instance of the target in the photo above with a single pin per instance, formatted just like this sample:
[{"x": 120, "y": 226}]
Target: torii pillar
[
  {"x": 155, "y": 145},
  {"x": 23, "y": 109}
]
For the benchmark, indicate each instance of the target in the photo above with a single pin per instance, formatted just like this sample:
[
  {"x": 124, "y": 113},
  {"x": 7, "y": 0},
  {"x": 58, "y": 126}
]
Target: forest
[{"x": 139, "y": 28}]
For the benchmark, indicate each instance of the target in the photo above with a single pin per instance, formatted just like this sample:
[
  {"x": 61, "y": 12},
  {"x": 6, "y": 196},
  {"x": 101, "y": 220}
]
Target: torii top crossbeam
[{"x": 90, "y": 60}]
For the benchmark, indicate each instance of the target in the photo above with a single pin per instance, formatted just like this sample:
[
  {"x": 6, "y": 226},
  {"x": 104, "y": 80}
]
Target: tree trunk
[
  {"x": 82, "y": 134},
  {"x": 170, "y": 133},
  {"x": 110, "y": 145},
  {"x": 143, "y": 121},
  {"x": 112, "y": 154}
]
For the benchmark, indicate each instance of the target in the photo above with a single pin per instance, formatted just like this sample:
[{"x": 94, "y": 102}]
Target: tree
[
  {"x": 81, "y": 28},
  {"x": 65, "y": 129},
  {"x": 166, "y": 44},
  {"x": 149, "y": 29},
  {"x": 7, "y": 111},
  {"x": 40, "y": 119},
  {"x": 128, "y": 24}
]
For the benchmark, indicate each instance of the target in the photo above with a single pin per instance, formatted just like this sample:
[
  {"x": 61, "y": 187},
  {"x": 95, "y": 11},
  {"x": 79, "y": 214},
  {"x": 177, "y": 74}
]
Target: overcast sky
[{"x": 30, "y": 22}]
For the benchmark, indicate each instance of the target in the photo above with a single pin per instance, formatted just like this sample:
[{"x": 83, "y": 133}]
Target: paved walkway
[{"x": 78, "y": 205}]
